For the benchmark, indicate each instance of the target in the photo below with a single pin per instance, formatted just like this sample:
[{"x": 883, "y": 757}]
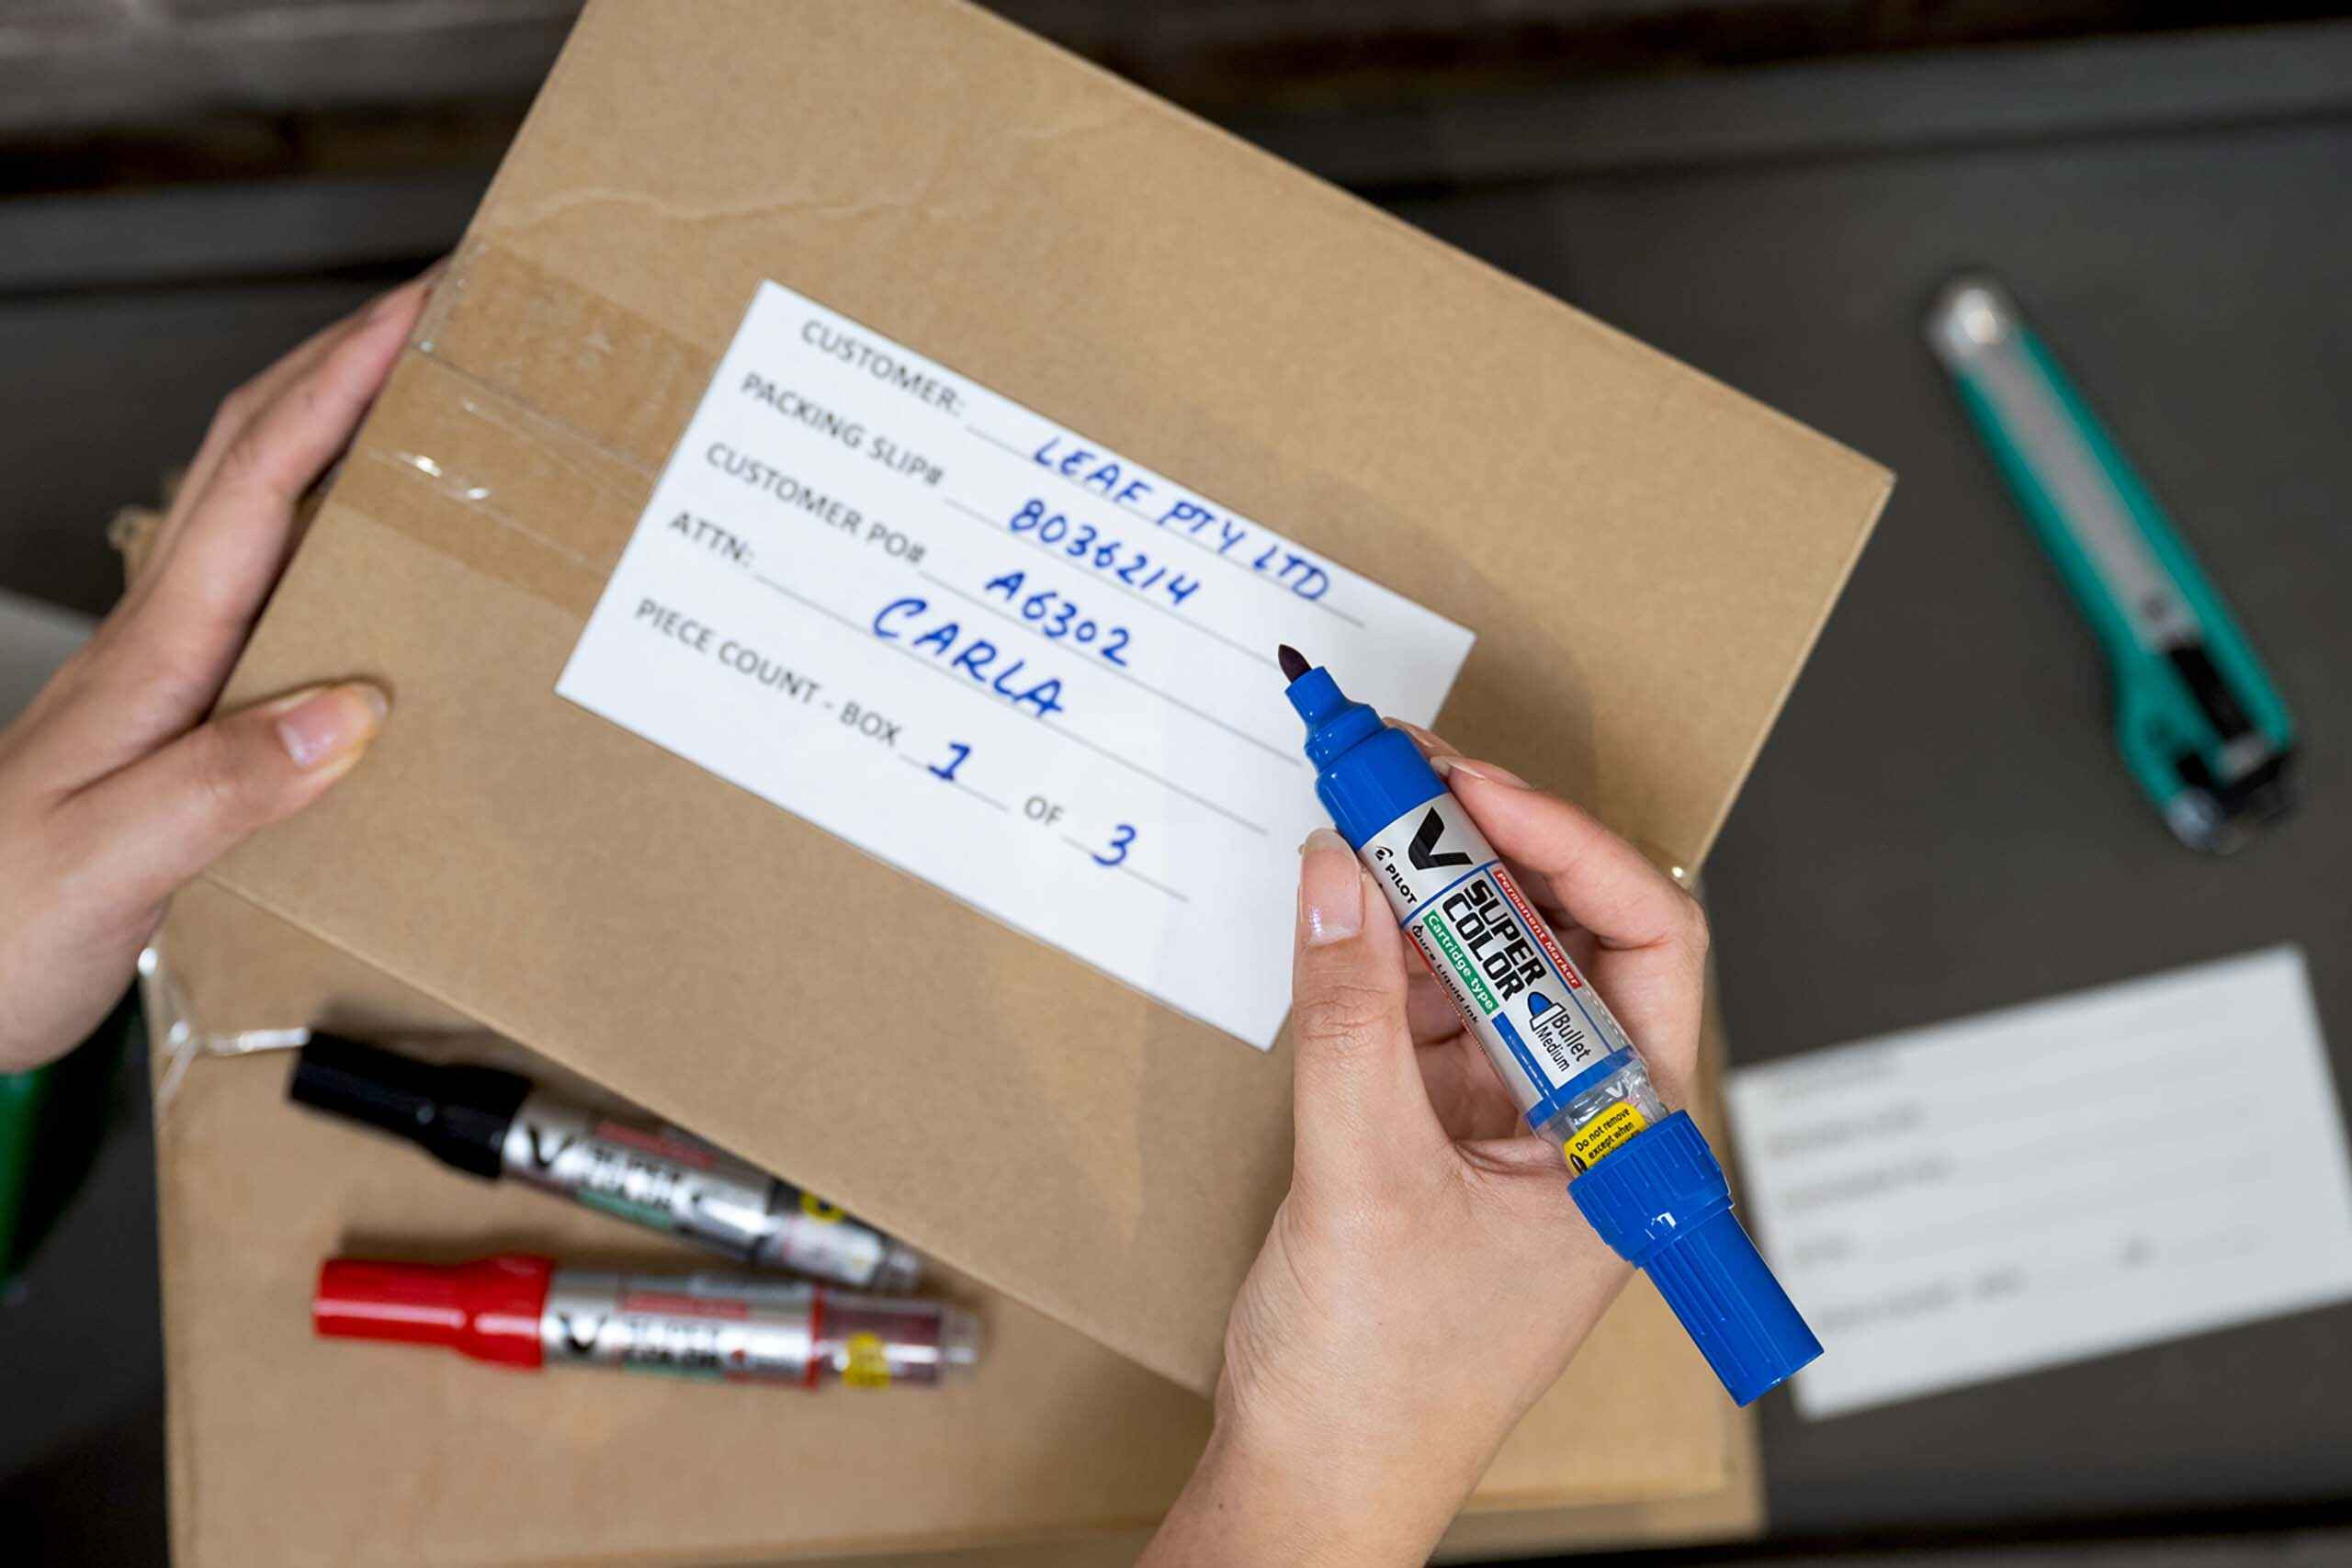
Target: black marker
[{"x": 494, "y": 1124}]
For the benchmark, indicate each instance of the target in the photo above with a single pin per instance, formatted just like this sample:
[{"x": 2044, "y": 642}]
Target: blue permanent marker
[{"x": 1645, "y": 1180}]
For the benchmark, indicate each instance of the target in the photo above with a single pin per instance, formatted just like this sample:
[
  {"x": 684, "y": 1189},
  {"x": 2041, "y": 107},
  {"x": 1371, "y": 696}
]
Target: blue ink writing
[
  {"x": 948, "y": 770},
  {"x": 1104, "y": 475},
  {"x": 1121, "y": 837},
  {"x": 1221, "y": 533},
  {"x": 974, "y": 656},
  {"x": 1082, "y": 541},
  {"x": 1058, "y": 617}
]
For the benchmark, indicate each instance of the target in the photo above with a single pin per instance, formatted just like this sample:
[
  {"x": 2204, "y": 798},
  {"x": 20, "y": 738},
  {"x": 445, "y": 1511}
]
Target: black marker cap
[{"x": 458, "y": 1114}]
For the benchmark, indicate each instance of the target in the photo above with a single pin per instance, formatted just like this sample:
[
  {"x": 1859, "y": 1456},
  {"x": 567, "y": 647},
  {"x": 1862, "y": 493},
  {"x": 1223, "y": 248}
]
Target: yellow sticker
[
  {"x": 868, "y": 1365},
  {"x": 815, "y": 1208},
  {"x": 1610, "y": 1129}
]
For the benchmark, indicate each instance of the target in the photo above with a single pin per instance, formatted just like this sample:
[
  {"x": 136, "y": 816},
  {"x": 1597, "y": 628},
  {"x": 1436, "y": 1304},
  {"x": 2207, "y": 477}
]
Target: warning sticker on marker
[
  {"x": 1613, "y": 1129},
  {"x": 996, "y": 653}
]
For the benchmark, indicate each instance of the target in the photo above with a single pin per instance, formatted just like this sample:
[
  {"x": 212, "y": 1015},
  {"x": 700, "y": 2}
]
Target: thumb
[
  {"x": 1359, "y": 1087},
  {"x": 159, "y": 822}
]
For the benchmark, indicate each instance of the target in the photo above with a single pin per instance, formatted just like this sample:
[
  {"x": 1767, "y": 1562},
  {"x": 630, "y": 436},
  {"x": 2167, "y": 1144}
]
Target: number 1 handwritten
[{"x": 948, "y": 770}]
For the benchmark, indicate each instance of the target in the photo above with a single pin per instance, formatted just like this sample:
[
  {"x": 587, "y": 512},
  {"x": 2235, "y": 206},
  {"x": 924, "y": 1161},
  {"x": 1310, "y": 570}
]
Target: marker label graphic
[
  {"x": 1487, "y": 945},
  {"x": 522, "y": 1311},
  {"x": 490, "y": 1124},
  {"x": 674, "y": 1182}
]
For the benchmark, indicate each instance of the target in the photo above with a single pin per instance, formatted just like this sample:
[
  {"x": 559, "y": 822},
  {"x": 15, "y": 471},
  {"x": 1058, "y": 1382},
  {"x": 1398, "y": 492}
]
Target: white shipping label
[
  {"x": 996, "y": 654},
  {"x": 1997, "y": 1194}
]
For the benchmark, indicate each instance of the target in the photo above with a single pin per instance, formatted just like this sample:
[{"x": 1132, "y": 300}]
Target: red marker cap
[{"x": 488, "y": 1309}]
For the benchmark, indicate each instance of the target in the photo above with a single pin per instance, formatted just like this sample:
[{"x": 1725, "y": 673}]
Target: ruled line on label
[
  {"x": 1286, "y": 755},
  {"x": 1087, "y": 850},
  {"x": 866, "y": 634},
  {"x": 954, "y": 783},
  {"x": 996, "y": 526}
]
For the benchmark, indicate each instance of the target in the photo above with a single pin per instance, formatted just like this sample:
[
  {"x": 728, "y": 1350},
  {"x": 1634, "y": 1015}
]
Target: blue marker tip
[{"x": 1366, "y": 773}]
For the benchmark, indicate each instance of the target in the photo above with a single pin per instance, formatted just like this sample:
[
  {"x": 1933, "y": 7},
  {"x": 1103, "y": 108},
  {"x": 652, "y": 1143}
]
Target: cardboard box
[
  {"x": 286, "y": 1450},
  {"x": 1645, "y": 556}
]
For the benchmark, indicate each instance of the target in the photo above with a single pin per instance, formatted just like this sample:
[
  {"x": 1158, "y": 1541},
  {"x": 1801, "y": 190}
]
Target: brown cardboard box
[
  {"x": 1644, "y": 554},
  {"x": 285, "y": 1449}
]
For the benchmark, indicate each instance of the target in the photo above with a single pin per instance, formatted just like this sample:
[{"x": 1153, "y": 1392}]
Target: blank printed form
[{"x": 2053, "y": 1181}]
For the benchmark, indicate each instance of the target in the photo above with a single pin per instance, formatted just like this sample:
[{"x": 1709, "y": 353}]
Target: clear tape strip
[{"x": 181, "y": 1037}]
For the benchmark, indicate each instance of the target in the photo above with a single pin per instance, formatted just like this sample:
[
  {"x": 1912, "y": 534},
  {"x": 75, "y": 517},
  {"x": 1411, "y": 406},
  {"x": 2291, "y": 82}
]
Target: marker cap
[
  {"x": 1385, "y": 775},
  {"x": 459, "y": 1115},
  {"x": 1661, "y": 1200},
  {"x": 488, "y": 1309}
]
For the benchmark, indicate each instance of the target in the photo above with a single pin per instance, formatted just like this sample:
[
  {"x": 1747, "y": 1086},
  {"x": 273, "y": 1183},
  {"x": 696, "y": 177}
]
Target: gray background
[{"x": 1940, "y": 823}]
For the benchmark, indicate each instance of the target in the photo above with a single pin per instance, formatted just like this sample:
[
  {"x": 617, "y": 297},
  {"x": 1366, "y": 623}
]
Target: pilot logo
[{"x": 1423, "y": 850}]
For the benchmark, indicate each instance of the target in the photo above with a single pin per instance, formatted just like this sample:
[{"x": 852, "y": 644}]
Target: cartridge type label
[
  {"x": 1516, "y": 990},
  {"x": 995, "y": 652}
]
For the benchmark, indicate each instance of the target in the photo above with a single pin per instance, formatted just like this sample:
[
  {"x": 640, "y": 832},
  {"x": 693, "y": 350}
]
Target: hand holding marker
[
  {"x": 1644, "y": 1179},
  {"x": 1660, "y": 1199}
]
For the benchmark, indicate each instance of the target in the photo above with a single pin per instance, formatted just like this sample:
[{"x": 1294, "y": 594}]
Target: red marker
[{"x": 521, "y": 1310}]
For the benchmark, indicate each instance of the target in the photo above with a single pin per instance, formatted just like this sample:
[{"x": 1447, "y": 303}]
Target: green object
[
  {"x": 2201, "y": 728},
  {"x": 51, "y": 1120},
  {"x": 22, "y": 1095}
]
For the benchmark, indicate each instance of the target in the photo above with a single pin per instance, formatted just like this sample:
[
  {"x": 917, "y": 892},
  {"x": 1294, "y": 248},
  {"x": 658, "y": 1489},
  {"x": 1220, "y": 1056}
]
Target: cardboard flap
[{"x": 1645, "y": 556}]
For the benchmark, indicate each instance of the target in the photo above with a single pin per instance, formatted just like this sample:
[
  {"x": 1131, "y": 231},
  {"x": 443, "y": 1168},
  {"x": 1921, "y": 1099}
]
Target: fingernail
[
  {"x": 392, "y": 298},
  {"x": 1449, "y": 766},
  {"x": 1330, "y": 889},
  {"x": 1431, "y": 745},
  {"x": 327, "y": 724},
  {"x": 377, "y": 700}
]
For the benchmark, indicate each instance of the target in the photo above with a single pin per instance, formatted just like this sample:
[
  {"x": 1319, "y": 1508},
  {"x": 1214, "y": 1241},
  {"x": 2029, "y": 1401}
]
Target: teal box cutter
[{"x": 2201, "y": 726}]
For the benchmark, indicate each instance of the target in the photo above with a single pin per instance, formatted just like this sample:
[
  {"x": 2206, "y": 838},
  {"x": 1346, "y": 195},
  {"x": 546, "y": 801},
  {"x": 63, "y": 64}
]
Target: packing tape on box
[
  {"x": 588, "y": 457},
  {"x": 629, "y": 384},
  {"x": 611, "y": 392}
]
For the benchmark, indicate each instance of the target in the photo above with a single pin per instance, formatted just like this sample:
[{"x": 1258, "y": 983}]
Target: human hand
[
  {"x": 1427, "y": 1276},
  {"x": 113, "y": 789}
]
